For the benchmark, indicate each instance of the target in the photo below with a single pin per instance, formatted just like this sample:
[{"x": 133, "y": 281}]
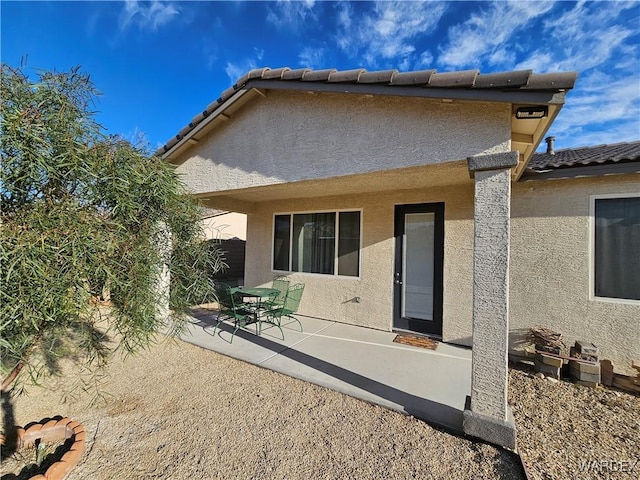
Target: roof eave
[
  {"x": 214, "y": 115},
  {"x": 545, "y": 125},
  {"x": 471, "y": 94}
]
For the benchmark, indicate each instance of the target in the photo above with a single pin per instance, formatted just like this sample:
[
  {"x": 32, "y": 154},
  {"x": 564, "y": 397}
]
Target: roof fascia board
[
  {"x": 583, "y": 171},
  {"x": 503, "y": 96},
  {"x": 217, "y": 112}
]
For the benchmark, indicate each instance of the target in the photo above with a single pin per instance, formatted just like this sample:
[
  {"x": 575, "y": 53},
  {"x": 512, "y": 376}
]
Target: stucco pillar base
[
  {"x": 487, "y": 415},
  {"x": 490, "y": 429}
]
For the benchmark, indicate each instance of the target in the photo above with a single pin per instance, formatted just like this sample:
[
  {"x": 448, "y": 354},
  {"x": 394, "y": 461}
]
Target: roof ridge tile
[
  {"x": 418, "y": 77},
  {"x": 318, "y": 75},
  {"x": 459, "y": 79},
  {"x": 295, "y": 74},
  {"x": 347, "y": 76},
  {"x": 380, "y": 76}
]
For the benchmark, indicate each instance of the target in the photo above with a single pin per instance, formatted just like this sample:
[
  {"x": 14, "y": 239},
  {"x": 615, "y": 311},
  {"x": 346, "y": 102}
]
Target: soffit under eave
[{"x": 527, "y": 134}]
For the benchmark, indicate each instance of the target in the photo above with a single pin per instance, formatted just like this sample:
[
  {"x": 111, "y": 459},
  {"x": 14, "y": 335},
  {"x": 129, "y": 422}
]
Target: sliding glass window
[
  {"x": 617, "y": 248},
  {"x": 308, "y": 242},
  {"x": 281, "y": 242}
]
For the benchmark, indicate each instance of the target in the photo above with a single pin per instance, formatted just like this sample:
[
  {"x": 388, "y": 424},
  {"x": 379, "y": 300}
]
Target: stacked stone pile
[
  {"x": 548, "y": 364},
  {"x": 584, "y": 367},
  {"x": 628, "y": 383},
  {"x": 548, "y": 360}
]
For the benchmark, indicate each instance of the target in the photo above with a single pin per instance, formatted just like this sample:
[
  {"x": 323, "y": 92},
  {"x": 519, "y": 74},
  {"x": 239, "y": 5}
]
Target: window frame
[
  {"x": 592, "y": 247},
  {"x": 336, "y": 244}
]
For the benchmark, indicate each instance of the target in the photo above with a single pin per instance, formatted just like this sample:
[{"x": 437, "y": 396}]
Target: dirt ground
[{"x": 178, "y": 411}]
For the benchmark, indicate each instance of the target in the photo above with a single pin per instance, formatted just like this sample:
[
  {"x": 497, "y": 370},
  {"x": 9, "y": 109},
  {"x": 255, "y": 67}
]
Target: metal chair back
[
  {"x": 293, "y": 298},
  {"x": 225, "y": 296},
  {"x": 282, "y": 285}
]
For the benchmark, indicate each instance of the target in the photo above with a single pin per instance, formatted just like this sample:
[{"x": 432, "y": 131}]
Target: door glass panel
[{"x": 417, "y": 265}]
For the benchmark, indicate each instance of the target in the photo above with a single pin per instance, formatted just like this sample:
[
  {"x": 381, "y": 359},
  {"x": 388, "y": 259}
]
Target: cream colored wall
[
  {"x": 332, "y": 297},
  {"x": 549, "y": 270},
  {"x": 293, "y": 136},
  {"x": 550, "y": 267},
  {"x": 225, "y": 226}
]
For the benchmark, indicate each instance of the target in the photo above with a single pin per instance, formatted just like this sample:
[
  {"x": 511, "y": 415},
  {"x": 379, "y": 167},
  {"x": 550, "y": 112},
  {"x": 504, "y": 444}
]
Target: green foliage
[{"x": 81, "y": 213}]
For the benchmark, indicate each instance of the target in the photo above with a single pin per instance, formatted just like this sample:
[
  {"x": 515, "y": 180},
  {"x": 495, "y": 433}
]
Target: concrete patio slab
[{"x": 357, "y": 361}]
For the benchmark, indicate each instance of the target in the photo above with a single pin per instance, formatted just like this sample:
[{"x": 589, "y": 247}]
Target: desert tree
[{"x": 81, "y": 215}]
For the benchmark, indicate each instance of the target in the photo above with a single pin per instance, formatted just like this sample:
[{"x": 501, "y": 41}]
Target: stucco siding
[
  {"x": 550, "y": 267},
  {"x": 225, "y": 226},
  {"x": 333, "y": 298},
  {"x": 293, "y": 136}
]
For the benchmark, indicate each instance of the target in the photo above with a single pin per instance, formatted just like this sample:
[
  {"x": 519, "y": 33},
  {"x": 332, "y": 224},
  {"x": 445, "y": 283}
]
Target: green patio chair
[
  {"x": 232, "y": 308},
  {"x": 280, "y": 283},
  {"x": 289, "y": 307}
]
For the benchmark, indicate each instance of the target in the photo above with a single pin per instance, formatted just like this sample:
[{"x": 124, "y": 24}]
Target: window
[
  {"x": 324, "y": 242},
  {"x": 616, "y": 245}
]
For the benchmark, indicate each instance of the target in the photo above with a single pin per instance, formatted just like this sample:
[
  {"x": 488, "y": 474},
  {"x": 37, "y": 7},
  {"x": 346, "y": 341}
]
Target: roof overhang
[
  {"x": 519, "y": 89},
  {"x": 219, "y": 116}
]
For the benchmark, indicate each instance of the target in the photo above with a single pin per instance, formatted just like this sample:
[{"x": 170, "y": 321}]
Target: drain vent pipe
[{"x": 550, "y": 145}]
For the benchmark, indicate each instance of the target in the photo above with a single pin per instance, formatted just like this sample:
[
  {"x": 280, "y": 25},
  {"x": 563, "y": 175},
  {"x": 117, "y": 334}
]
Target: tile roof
[
  {"x": 579, "y": 157},
  {"x": 520, "y": 80}
]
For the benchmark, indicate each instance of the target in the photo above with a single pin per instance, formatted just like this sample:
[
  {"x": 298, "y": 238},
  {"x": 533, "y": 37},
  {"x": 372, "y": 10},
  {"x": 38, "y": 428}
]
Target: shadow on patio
[{"x": 360, "y": 362}]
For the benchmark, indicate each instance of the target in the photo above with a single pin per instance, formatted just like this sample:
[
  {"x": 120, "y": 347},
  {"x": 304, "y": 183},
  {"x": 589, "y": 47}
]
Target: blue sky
[{"x": 158, "y": 64}]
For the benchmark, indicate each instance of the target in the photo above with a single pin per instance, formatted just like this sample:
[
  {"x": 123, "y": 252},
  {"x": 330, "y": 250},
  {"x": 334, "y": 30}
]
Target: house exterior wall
[
  {"x": 225, "y": 226},
  {"x": 332, "y": 297},
  {"x": 549, "y": 270},
  {"x": 550, "y": 267},
  {"x": 293, "y": 136}
]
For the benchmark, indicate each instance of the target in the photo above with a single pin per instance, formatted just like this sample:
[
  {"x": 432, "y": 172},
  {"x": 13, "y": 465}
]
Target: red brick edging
[{"x": 51, "y": 431}]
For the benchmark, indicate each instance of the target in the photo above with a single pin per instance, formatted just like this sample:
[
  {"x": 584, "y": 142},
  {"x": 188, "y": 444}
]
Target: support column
[
  {"x": 163, "y": 278},
  {"x": 486, "y": 414}
]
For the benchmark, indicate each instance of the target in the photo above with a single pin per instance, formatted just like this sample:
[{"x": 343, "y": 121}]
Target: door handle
[{"x": 397, "y": 282}]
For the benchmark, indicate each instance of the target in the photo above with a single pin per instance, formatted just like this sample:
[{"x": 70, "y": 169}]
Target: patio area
[{"x": 367, "y": 364}]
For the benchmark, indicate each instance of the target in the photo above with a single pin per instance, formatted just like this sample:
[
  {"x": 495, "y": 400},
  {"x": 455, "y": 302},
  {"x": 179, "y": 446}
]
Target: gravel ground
[
  {"x": 569, "y": 431},
  {"x": 181, "y": 412}
]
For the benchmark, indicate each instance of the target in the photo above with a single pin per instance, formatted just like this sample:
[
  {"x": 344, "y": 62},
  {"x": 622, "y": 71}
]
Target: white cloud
[
  {"x": 588, "y": 34},
  {"x": 425, "y": 60},
  {"x": 502, "y": 56},
  {"x": 597, "y": 40},
  {"x": 539, "y": 62},
  {"x": 388, "y": 32},
  {"x": 291, "y": 13},
  {"x": 235, "y": 70},
  {"x": 148, "y": 16},
  {"x": 313, "y": 58},
  {"x": 585, "y": 37},
  {"x": 608, "y": 106},
  {"x": 344, "y": 15},
  {"x": 484, "y": 35}
]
